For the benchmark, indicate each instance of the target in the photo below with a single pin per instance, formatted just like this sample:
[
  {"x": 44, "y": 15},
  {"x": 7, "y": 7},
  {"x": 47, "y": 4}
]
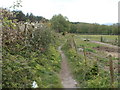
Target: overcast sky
[{"x": 91, "y": 11}]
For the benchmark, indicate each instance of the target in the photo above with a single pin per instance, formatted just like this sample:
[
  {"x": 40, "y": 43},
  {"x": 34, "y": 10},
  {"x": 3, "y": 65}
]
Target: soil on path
[
  {"x": 65, "y": 74},
  {"x": 109, "y": 50},
  {"x": 109, "y": 45}
]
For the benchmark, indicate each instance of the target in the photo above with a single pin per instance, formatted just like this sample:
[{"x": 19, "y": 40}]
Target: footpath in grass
[
  {"x": 89, "y": 67},
  {"x": 65, "y": 73}
]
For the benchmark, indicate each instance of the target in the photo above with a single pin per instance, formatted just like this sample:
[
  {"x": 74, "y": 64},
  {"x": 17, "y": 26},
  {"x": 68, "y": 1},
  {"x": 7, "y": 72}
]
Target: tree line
[
  {"x": 61, "y": 23},
  {"x": 87, "y": 28},
  {"x": 20, "y": 16}
]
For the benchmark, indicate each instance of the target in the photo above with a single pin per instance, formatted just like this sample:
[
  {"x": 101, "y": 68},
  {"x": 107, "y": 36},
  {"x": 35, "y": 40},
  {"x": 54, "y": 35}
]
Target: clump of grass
[{"x": 90, "y": 50}]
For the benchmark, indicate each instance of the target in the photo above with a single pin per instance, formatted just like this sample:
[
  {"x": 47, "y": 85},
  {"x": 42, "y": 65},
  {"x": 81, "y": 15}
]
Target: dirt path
[
  {"x": 65, "y": 74},
  {"x": 109, "y": 45}
]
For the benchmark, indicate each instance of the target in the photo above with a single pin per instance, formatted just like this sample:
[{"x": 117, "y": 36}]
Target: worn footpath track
[
  {"x": 109, "y": 45},
  {"x": 65, "y": 74}
]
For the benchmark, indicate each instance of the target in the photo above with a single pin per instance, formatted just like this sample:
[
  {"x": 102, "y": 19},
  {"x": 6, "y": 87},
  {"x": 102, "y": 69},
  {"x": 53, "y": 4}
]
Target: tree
[
  {"x": 73, "y": 28},
  {"x": 60, "y": 23},
  {"x": 31, "y": 17},
  {"x": 19, "y": 15}
]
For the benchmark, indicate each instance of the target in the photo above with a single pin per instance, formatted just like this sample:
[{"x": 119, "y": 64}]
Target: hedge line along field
[
  {"x": 29, "y": 56},
  {"x": 90, "y": 66},
  {"x": 29, "y": 66}
]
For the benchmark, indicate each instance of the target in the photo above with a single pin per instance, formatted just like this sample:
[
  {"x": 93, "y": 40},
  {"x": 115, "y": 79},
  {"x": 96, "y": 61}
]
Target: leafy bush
[
  {"x": 98, "y": 81},
  {"x": 20, "y": 71},
  {"x": 41, "y": 37},
  {"x": 29, "y": 57}
]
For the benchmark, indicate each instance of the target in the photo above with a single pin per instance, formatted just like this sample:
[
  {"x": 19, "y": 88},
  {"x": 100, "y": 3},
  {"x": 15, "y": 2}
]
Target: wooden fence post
[
  {"x": 74, "y": 44},
  {"x": 119, "y": 67},
  {"x": 111, "y": 70},
  {"x": 101, "y": 39},
  {"x": 85, "y": 55}
]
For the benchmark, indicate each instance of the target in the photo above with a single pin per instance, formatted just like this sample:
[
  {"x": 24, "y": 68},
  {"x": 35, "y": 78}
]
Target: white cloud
[{"x": 99, "y": 11}]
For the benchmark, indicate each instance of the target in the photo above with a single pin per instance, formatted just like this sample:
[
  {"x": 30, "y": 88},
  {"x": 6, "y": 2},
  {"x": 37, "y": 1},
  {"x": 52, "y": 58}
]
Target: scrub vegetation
[{"x": 30, "y": 51}]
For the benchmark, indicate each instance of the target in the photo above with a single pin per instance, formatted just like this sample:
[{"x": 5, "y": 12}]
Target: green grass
[
  {"x": 97, "y": 37},
  {"x": 81, "y": 71},
  {"x": 111, "y": 39},
  {"x": 80, "y": 43}
]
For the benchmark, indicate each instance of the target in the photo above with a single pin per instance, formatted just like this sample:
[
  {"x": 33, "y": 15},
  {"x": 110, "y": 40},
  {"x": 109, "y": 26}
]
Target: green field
[{"x": 112, "y": 39}]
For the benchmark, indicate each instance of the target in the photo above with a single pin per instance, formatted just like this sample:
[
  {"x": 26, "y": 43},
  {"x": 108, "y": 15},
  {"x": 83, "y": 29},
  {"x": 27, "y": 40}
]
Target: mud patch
[
  {"x": 107, "y": 49},
  {"x": 113, "y": 54}
]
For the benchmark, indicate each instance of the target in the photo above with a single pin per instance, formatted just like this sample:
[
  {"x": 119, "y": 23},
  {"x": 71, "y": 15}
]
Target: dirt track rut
[{"x": 65, "y": 74}]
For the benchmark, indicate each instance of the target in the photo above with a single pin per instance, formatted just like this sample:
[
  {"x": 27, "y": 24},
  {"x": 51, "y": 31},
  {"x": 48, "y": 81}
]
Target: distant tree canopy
[
  {"x": 87, "y": 28},
  {"x": 60, "y": 23},
  {"x": 20, "y": 16}
]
